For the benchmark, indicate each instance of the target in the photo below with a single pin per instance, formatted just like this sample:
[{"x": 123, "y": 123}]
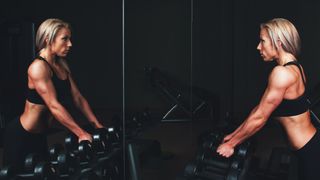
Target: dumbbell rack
[
  {"x": 208, "y": 165},
  {"x": 78, "y": 161}
]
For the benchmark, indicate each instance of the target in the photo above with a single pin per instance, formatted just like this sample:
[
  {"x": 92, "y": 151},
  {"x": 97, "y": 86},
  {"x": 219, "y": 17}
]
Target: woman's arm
[
  {"x": 40, "y": 78},
  {"x": 279, "y": 80}
]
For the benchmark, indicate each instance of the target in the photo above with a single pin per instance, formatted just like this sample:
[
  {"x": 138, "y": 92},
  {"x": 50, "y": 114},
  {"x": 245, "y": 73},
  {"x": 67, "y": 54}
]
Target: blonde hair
[
  {"x": 48, "y": 30},
  {"x": 282, "y": 30}
]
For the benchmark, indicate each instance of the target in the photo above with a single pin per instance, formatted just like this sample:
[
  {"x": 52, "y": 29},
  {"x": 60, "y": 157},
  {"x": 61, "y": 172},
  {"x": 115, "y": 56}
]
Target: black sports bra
[
  {"x": 62, "y": 87},
  {"x": 291, "y": 107}
]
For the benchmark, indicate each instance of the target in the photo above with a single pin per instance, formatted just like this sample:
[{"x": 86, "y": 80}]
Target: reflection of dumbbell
[
  {"x": 100, "y": 141},
  {"x": 42, "y": 170},
  {"x": 33, "y": 170},
  {"x": 54, "y": 151},
  {"x": 198, "y": 170},
  {"x": 114, "y": 136},
  {"x": 65, "y": 163},
  {"x": 82, "y": 150},
  {"x": 71, "y": 143}
]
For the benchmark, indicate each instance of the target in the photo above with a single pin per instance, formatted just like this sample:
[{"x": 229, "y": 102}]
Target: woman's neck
[
  {"x": 285, "y": 58},
  {"x": 49, "y": 57}
]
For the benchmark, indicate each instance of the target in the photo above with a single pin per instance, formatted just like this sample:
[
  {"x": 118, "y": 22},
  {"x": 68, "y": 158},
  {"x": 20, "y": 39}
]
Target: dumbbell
[
  {"x": 34, "y": 169},
  {"x": 71, "y": 143},
  {"x": 8, "y": 172},
  {"x": 85, "y": 151},
  {"x": 54, "y": 151},
  {"x": 66, "y": 164},
  {"x": 107, "y": 166},
  {"x": 100, "y": 142},
  {"x": 114, "y": 136},
  {"x": 220, "y": 165},
  {"x": 82, "y": 151},
  {"x": 241, "y": 150},
  {"x": 42, "y": 170},
  {"x": 214, "y": 159},
  {"x": 198, "y": 170},
  {"x": 210, "y": 137}
]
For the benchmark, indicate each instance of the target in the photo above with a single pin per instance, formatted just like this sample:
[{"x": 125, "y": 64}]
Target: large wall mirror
[
  {"x": 192, "y": 68},
  {"x": 95, "y": 62}
]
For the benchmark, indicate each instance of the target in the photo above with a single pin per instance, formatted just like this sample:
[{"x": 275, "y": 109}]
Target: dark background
[
  {"x": 96, "y": 56},
  {"x": 217, "y": 53},
  {"x": 206, "y": 45}
]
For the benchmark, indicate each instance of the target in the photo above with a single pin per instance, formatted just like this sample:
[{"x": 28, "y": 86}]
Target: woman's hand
[
  {"x": 225, "y": 150},
  {"x": 85, "y": 136},
  {"x": 98, "y": 125},
  {"x": 227, "y": 138}
]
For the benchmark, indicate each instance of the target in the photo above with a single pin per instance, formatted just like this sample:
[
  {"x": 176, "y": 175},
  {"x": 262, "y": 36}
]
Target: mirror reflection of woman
[{"x": 283, "y": 98}]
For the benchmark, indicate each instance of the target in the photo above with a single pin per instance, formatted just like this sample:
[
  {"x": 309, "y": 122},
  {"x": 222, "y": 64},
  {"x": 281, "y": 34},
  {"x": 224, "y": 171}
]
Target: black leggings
[
  {"x": 309, "y": 159},
  {"x": 18, "y": 143}
]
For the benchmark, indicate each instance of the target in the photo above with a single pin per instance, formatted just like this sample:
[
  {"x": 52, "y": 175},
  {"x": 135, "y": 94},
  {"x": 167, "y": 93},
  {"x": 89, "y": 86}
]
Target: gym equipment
[
  {"x": 41, "y": 170},
  {"x": 212, "y": 140},
  {"x": 198, "y": 170},
  {"x": 180, "y": 99},
  {"x": 71, "y": 143},
  {"x": 54, "y": 151},
  {"x": 114, "y": 137},
  {"x": 65, "y": 164},
  {"x": 214, "y": 159},
  {"x": 31, "y": 160}
]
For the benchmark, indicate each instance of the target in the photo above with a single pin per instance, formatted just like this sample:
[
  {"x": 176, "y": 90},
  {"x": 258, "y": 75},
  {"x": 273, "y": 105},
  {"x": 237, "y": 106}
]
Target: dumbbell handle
[
  {"x": 216, "y": 170},
  {"x": 216, "y": 163},
  {"x": 210, "y": 175}
]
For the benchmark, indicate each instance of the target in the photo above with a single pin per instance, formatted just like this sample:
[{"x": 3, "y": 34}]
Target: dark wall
[
  {"x": 96, "y": 57},
  {"x": 212, "y": 51}
]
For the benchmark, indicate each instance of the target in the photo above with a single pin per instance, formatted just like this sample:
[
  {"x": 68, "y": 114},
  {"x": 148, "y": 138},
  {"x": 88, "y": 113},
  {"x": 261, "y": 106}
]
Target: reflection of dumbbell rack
[
  {"x": 34, "y": 168},
  {"x": 75, "y": 161},
  {"x": 180, "y": 101},
  {"x": 99, "y": 159}
]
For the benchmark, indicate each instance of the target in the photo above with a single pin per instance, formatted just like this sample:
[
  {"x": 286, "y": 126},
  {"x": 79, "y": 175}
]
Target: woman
[
  {"x": 51, "y": 89},
  {"x": 283, "y": 98}
]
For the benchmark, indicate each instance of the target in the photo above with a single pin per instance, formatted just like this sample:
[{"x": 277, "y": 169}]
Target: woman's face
[
  {"x": 62, "y": 43},
  {"x": 267, "y": 51}
]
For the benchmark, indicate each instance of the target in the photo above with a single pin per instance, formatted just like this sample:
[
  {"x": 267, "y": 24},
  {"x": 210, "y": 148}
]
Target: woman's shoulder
[
  {"x": 281, "y": 71},
  {"x": 38, "y": 67},
  {"x": 280, "y": 74}
]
